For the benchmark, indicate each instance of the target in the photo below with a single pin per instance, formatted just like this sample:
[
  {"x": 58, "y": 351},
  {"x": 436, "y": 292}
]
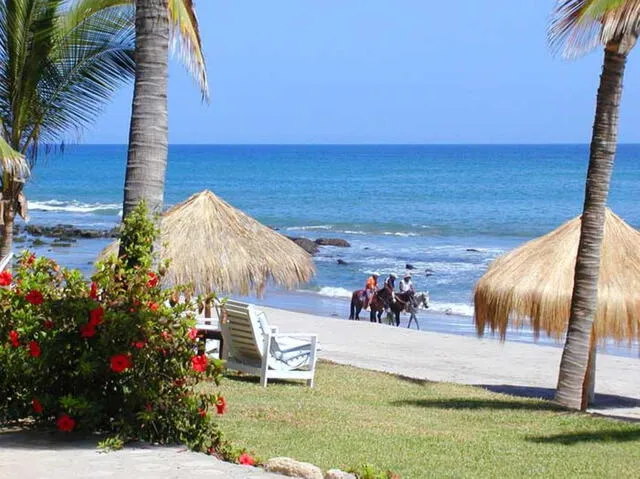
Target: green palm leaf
[{"x": 578, "y": 26}]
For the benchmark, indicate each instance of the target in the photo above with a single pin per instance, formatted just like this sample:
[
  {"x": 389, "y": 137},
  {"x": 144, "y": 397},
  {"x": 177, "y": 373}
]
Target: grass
[{"x": 423, "y": 429}]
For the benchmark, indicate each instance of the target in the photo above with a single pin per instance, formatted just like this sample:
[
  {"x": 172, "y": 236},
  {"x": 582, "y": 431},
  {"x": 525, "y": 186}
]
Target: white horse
[{"x": 420, "y": 301}]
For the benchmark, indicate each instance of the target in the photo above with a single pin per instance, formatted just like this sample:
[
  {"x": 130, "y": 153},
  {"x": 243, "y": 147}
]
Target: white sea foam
[
  {"x": 309, "y": 228},
  {"x": 73, "y": 206},
  {"x": 460, "y": 309},
  {"x": 335, "y": 292}
]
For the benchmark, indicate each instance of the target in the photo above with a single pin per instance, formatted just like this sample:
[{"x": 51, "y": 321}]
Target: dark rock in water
[
  {"x": 340, "y": 243},
  {"x": 61, "y": 245},
  {"x": 19, "y": 239},
  {"x": 341, "y": 261},
  {"x": 366, "y": 247},
  {"x": 68, "y": 232},
  {"x": 428, "y": 274},
  {"x": 473, "y": 250},
  {"x": 274, "y": 228},
  {"x": 429, "y": 270},
  {"x": 306, "y": 244},
  {"x": 37, "y": 242},
  {"x": 409, "y": 266}
]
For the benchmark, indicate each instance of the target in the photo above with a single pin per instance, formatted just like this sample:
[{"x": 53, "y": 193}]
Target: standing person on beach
[{"x": 370, "y": 288}]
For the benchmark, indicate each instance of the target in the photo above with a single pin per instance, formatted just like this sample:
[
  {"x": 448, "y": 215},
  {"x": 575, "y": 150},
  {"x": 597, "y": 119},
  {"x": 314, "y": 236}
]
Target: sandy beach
[{"x": 508, "y": 367}]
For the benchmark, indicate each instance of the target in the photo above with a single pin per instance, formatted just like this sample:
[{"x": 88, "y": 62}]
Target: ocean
[{"x": 446, "y": 210}]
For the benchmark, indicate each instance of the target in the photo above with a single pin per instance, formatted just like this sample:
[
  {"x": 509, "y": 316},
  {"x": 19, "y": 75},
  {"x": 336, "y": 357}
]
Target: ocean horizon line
[{"x": 342, "y": 145}]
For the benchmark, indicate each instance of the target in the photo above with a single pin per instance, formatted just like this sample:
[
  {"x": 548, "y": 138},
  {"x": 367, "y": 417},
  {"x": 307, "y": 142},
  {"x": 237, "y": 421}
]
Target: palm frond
[
  {"x": 578, "y": 26},
  {"x": 12, "y": 162},
  {"x": 185, "y": 39},
  {"x": 93, "y": 57}
]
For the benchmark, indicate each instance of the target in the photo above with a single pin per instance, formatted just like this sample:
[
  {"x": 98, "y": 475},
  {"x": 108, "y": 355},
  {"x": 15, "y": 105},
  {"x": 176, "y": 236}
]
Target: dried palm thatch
[
  {"x": 216, "y": 247},
  {"x": 578, "y": 26},
  {"x": 534, "y": 283}
]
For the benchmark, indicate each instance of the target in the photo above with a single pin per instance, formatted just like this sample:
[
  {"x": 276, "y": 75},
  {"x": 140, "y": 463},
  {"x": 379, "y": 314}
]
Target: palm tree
[
  {"x": 148, "y": 134},
  {"x": 578, "y": 26},
  {"x": 60, "y": 61}
]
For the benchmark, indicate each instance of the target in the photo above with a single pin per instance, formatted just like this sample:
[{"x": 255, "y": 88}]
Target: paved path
[
  {"x": 509, "y": 367},
  {"x": 53, "y": 456}
]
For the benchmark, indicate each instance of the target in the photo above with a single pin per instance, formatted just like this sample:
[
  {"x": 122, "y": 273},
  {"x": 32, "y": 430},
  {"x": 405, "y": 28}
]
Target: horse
[
  {"x": 397, "y": 304},
  {"x": 376, "y": 305},
  {"x": 407, "y": 302},
  {"x": 420, "y": 300}
]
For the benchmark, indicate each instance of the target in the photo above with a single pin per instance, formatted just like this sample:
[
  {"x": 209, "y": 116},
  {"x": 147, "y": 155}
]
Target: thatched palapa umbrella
[
  {"x": 216, "y": 247},
  {"x": 534, "y": 283}
]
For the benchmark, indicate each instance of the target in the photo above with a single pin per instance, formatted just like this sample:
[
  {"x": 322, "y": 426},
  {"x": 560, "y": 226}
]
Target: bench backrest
[{"x": 241, "y": 330}]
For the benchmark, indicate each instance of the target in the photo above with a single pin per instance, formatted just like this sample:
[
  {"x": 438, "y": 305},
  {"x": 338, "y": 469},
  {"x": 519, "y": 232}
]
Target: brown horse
[{"x": 376, "y": 305}]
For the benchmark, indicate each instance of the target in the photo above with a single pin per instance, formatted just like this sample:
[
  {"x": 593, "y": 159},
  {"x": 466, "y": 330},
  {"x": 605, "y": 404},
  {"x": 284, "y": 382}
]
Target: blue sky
[{"x": 381, "y": 71}]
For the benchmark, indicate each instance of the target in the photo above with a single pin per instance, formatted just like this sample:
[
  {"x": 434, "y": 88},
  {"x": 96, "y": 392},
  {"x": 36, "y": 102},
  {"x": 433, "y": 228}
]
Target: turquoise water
[{"x": 424, "y": 205}]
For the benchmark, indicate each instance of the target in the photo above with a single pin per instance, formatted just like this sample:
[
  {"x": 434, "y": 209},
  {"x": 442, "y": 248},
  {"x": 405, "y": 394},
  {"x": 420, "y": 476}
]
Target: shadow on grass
[
  {"x": 249, "y": 379},
  {"x": 602, "y": 401},
  {"x": 465, "y": 403},
  {"x": 591, "y": 436}
]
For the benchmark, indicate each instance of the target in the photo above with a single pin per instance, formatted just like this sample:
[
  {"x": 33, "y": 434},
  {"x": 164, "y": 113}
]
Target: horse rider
[
  {"x": 406, "y": 286},
  {"x": 370, "y": 288},
  {"x": 390, "y": 285}
]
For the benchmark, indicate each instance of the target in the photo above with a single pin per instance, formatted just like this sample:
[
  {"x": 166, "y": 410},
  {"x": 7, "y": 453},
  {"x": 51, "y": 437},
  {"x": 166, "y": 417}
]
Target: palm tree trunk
[
  {"x": 6, "y": 230},
  {"x": 148, "y": 134},
  {"x": 575, "y": 357}
]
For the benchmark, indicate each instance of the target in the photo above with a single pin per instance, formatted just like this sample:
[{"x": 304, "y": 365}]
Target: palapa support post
[{"x": 589, "y": 384}]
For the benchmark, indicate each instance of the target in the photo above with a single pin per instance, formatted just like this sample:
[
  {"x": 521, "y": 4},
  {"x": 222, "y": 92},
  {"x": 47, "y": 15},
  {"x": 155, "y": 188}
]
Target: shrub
[{"x": 111, "y": 355}]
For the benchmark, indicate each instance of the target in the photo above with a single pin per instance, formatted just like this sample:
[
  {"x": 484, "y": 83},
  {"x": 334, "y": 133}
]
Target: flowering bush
[{"x": 111, "y": 355}]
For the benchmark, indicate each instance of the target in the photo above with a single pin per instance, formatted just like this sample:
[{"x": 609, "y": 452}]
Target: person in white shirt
[{"x": 406, "y": 285}]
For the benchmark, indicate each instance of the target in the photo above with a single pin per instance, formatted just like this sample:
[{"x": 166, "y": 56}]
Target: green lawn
[{"x": 421, "y": 429}]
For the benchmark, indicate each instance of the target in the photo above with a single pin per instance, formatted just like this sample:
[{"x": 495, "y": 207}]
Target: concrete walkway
[
  {"x": 509, "y": 367},
  {"x": 52, "y": 456}
]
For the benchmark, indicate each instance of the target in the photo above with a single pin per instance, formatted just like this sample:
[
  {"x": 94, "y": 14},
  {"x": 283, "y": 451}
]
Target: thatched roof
[
  {"x": 216, "y": 247},
  {"x": 534, "y": 283}
]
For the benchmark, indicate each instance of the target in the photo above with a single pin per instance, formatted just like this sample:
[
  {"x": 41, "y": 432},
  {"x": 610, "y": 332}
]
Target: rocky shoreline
[{"x": 62, "y": 235}]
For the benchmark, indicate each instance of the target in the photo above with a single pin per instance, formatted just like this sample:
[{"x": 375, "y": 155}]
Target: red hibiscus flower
[
  {"x": 13, "y": 338},
  {"x": 199, "y": 363},
  {"x": 30, "y": 260},
  {"x": 148, "y": 407},
  {"x": 193, "y": 334},
  {"x": 37, "y": 407},
  {"x": 48, "y": 324},
  {"x": 153, "y": 306},
  {"x": 139, "y": 344},
  {"x": 221, "y": 405},
  {"x": 202, "y": 412},
  {"x": 87, "y": 330},
  {"x": 5, "y": 278},
  {"x": 65, "y": 423},
  {"x": 246, "y": 459},
  {"x": 34, "y": 297},
  {"x": 96, "y": 316},
  {"x": 34, "y": 349},
  {"x": 120, "y": 363},
  {"x": 93, "y": 291},
  {"x": 153, "y": 280}
]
